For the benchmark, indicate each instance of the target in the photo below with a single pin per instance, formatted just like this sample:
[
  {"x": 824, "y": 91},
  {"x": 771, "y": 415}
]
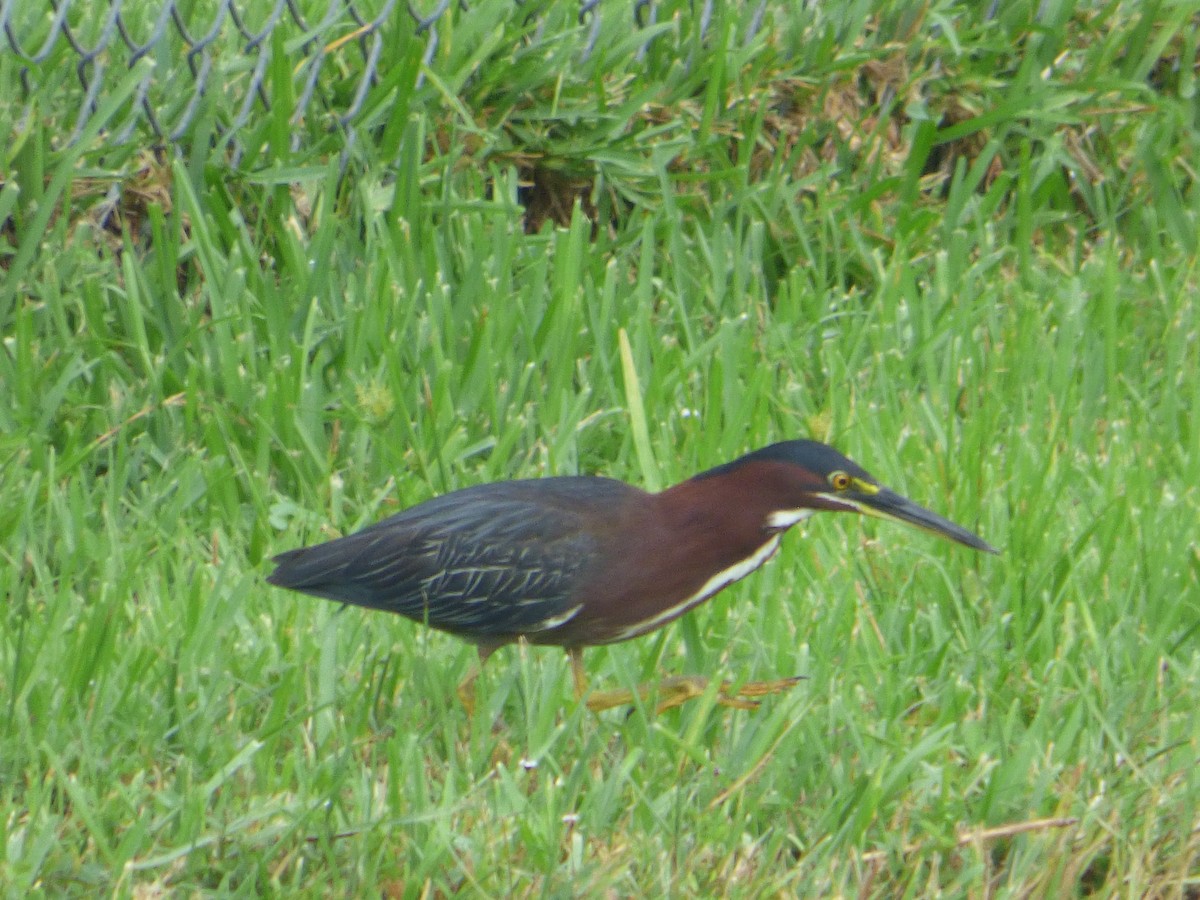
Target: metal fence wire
[{"x": 182, "y": 51}]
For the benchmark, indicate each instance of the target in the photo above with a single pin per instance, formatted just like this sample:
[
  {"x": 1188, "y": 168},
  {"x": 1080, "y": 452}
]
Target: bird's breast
[
  {"x": 717, "y": 582},
  {"x": 633, "y": 607}
]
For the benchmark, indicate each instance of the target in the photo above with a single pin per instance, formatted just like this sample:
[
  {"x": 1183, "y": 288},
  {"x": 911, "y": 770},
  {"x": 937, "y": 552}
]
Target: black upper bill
[{"x": 890, "y": 505}]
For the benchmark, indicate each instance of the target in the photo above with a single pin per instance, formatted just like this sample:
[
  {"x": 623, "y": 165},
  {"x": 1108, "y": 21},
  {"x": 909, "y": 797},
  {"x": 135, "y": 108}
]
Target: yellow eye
[{"x": 839, "y": 480}]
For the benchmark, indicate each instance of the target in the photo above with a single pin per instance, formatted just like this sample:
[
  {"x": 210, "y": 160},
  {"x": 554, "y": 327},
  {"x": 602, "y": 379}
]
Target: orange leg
[
  {"x": 575, "y": 654},
  {"x": 466, "y": 689}
]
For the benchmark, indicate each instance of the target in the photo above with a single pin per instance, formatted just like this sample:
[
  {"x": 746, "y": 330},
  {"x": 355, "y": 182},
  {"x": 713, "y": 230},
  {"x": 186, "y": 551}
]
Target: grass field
[{"x": 963, "y": 249}]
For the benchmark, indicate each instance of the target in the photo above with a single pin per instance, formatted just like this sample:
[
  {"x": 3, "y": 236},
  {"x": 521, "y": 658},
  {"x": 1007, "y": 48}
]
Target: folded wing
[{"x": 483, "y": 563}]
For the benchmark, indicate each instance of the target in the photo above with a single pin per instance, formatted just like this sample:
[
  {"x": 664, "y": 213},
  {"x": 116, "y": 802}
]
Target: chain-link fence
[{"x": 165, "y": 59}]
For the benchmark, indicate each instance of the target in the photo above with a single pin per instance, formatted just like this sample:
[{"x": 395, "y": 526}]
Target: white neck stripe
[
  {"x": 786, "y": 518},
  {"x": 722, "y": 579}
]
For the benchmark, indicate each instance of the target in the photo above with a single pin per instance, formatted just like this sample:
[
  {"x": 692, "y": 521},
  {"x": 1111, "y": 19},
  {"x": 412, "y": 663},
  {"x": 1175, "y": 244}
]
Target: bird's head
[{"x": 802, "y": 477}]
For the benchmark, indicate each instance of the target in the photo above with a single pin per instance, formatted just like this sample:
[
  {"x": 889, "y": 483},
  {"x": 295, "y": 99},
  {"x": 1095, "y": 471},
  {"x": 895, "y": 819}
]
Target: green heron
[{"x": 579, "y": 561}]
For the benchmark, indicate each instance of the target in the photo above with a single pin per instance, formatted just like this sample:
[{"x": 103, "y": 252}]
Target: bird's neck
[{"x": 721, "y": 510}]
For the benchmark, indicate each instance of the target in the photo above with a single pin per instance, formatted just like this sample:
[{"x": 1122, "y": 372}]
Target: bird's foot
[{"x": 677, "y": 690}]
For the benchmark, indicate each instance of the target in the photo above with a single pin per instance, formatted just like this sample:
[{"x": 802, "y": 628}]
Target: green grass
[{"x": 963, "y": 251}]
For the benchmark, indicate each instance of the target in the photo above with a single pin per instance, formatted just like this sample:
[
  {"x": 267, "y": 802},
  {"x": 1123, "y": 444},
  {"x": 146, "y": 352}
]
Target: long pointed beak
[{"x": 887, "y": 504}]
